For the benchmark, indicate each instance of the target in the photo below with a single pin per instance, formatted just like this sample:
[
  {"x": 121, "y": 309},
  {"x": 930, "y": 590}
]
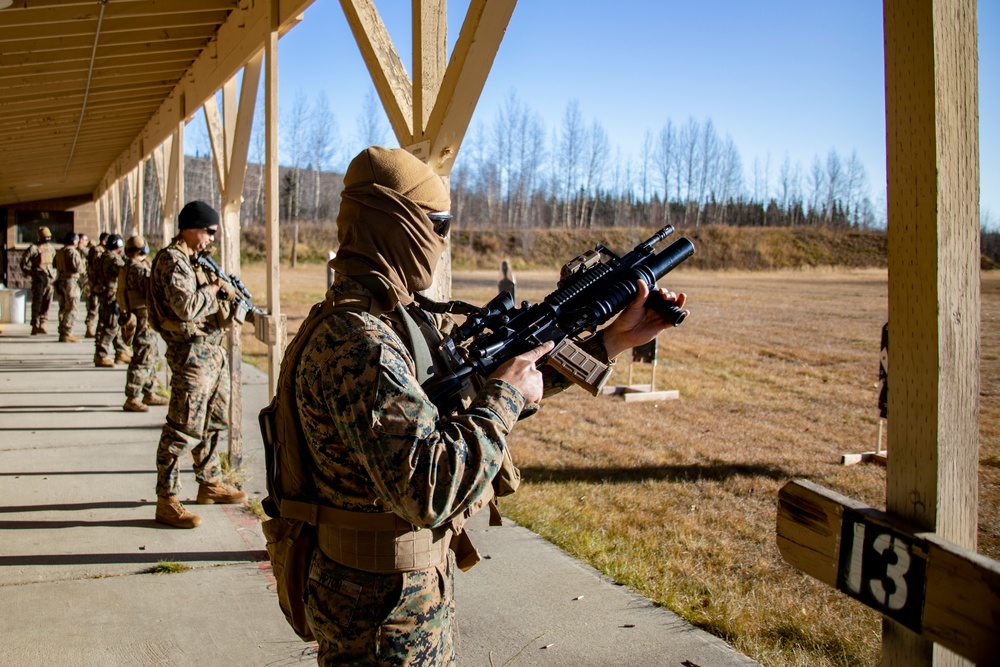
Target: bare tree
[
  {"x": 597, "y": 150},
  {"x": 568, "y": 158},
  {"x": 297, "y": 149},
  {"x": 834, "y": 183},
  {"x": 817, "y": 186},
  {"x": 258, "y": 145},
  {"x": 372, "y": 124},
  {"x": 665, "y": 161},
  {"x": 323, "y": 142},
  {"x": 729, "y": 177},
  {"x": 532, "y": 154},
  {"x": 708, "y": 154},
  {"x": 688, "y": 154},
  {"x": 855, "y": 188}
]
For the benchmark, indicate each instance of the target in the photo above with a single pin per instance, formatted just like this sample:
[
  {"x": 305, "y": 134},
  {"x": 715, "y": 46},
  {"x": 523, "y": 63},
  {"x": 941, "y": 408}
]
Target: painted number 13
[{"x": 893, "y": 596}]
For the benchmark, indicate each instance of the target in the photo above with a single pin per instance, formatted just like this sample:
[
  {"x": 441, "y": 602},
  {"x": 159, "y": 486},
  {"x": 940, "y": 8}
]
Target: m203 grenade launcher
[{"x": 592, "y": 289}]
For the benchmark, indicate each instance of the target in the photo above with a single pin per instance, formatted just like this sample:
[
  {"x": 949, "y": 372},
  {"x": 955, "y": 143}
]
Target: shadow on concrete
[
  {"x": 679, "y": 473},
  {"x": 75, "y": 507},
  {"x": 157, "y": 427},
  {"x": 20, "y": 368},
  {"x": 35, "y": 409},
  {"x": 62, "y": 392},
  {"x": 50, "y": 473},
  {"x": 254, "y": 556}
]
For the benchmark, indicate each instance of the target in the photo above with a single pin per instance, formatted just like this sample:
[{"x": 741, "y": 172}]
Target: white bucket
[
  {"x": 12, "y": 305},
  {"x": 18, "y": 305}
]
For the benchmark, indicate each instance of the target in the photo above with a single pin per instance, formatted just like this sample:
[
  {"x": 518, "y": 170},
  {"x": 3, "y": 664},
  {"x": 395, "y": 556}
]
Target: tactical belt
[{"x": 379, "y": 542}]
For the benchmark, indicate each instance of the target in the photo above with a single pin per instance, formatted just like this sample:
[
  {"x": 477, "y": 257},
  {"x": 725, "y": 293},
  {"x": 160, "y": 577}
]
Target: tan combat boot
[
  {"x": 90, "y": 334},
  {"x": 150, "y": 398},
  {"x": 68, "y": 338},
  {"x": 104, "y": 362},
  {"x": 37, "y": 330},
  {"x": 123, "y": 358},
  {"x": 169, "y": 511},
  {"x": 217, "y": 492},
  {"x": 133, "y": 404}
]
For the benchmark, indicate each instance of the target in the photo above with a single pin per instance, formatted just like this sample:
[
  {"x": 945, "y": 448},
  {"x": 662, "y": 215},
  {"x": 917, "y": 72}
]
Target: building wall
[{"x": 84, "y": 221}]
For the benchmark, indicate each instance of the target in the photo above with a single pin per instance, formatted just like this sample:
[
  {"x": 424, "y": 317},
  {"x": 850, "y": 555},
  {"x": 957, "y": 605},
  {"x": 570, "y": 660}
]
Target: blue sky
[{"x": 781, "y": 77}]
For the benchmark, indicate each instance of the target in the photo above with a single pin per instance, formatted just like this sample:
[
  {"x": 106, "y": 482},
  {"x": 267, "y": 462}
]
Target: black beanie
[{"x": 198, "y": 215}]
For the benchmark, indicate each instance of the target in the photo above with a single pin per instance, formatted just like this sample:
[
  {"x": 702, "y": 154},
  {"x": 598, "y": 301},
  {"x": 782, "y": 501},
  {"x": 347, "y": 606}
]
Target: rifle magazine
[{"x": 582, "y": 368}]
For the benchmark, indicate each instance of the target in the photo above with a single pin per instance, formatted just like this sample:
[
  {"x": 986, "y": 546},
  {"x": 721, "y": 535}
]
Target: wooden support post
[
  {"x": 931, "y": 80},
  {"x": 138, "y": 198},
  {"x": 230, "y": 139},
  {"x": 276, "y": 346}
]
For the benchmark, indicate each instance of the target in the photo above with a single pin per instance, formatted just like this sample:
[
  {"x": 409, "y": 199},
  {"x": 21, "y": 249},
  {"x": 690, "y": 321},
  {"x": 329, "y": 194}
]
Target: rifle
[
  {"x": 589, "y": 293},
  {"x": 242, "y": 299}
]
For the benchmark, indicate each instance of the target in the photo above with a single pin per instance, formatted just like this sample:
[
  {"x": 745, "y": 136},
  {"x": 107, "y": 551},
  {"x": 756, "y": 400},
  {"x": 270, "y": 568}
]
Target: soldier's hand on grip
[{"x": 523, "y": 375}]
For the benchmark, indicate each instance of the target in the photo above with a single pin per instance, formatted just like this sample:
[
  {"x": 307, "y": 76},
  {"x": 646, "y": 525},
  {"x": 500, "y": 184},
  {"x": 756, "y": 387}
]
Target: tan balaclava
[{"x": 383, "y": 226}]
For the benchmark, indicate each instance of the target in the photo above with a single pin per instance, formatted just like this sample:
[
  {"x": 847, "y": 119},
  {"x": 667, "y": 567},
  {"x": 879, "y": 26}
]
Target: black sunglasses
[
  {"x": 212, "y": 231},
  {"x": 441, "y": 222}
]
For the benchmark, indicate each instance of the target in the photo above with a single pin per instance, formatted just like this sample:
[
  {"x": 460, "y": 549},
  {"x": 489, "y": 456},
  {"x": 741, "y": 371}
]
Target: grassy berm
[{"x": 777, "y": 374}]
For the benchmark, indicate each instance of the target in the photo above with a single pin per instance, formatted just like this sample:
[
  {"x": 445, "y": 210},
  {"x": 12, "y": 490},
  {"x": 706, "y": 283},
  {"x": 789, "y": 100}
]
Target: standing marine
[
  {"x": 109, "y": 335},
  {"x": 37, "y": 263},
  {"x": 94, "y": 253},
  {"x": 70, "y": 265},
  {"x": 395, "y": 475},
  {"x": 192, "y": 314},
  {"x": 140, "y": 380}
]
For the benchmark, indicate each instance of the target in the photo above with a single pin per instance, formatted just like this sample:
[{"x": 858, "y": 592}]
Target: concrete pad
[{"x": 78, "y": 540}]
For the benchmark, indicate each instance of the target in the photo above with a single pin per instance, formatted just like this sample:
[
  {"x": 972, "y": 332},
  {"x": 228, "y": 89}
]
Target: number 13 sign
[
  {"x": 944, "y": 592},
  {"x": 883, "y": 568}
]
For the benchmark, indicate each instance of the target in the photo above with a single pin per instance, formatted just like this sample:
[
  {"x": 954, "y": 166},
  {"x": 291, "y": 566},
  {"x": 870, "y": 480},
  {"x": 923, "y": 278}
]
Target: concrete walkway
[{"x": 78, "y": 541}]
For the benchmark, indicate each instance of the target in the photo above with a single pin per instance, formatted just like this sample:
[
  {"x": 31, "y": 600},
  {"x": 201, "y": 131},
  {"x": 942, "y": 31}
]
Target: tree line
[{"x": 513, "y": 172}]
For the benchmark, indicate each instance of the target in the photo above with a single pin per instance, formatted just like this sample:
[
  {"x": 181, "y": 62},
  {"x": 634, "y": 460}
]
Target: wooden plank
[
  {"x": 217, "y": 139},
  {"x": 471, "y": 60},
  {"x": 647, "y": 396},
  {"x": 242, "y": 127},
  {"x": 430, "y": 59},
  {"x": 383, "y": 63},
  {"x": 941, "y": 592}
]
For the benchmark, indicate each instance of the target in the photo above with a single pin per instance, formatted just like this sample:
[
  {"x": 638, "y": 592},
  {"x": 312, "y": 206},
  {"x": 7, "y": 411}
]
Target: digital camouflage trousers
[
  {"x": 198, "y": 411},
  {"x": 141, "y": 376},
  {"x": 363, "y": 618}
]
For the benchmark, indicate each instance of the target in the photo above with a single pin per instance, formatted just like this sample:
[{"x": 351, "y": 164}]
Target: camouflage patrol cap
[
  {"x": 136, "y": 244},
  {"x": 44, "y": 234}
]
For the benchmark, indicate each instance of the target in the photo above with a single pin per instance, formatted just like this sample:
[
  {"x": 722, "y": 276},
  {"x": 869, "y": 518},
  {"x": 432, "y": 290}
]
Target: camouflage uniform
[
  {"x": 378, "y": 445},
  {"x": 190, "y": 319},
  {"x": 37, "y": 262},
  {"x": 91, "y": 290},
  {"x": 141, "y": 375},
  {"x": 109, "y": 335},
  {"x": 70, "y": 265}
]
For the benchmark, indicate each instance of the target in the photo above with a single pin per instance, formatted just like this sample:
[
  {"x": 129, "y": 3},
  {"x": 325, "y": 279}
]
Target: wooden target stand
[
  {"x": 642, "y": 354},
  {"x": 879, "y": 456}
]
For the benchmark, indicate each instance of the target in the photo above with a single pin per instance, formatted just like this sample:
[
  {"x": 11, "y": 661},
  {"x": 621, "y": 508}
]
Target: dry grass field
[{"x": 777, "y": 377}]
